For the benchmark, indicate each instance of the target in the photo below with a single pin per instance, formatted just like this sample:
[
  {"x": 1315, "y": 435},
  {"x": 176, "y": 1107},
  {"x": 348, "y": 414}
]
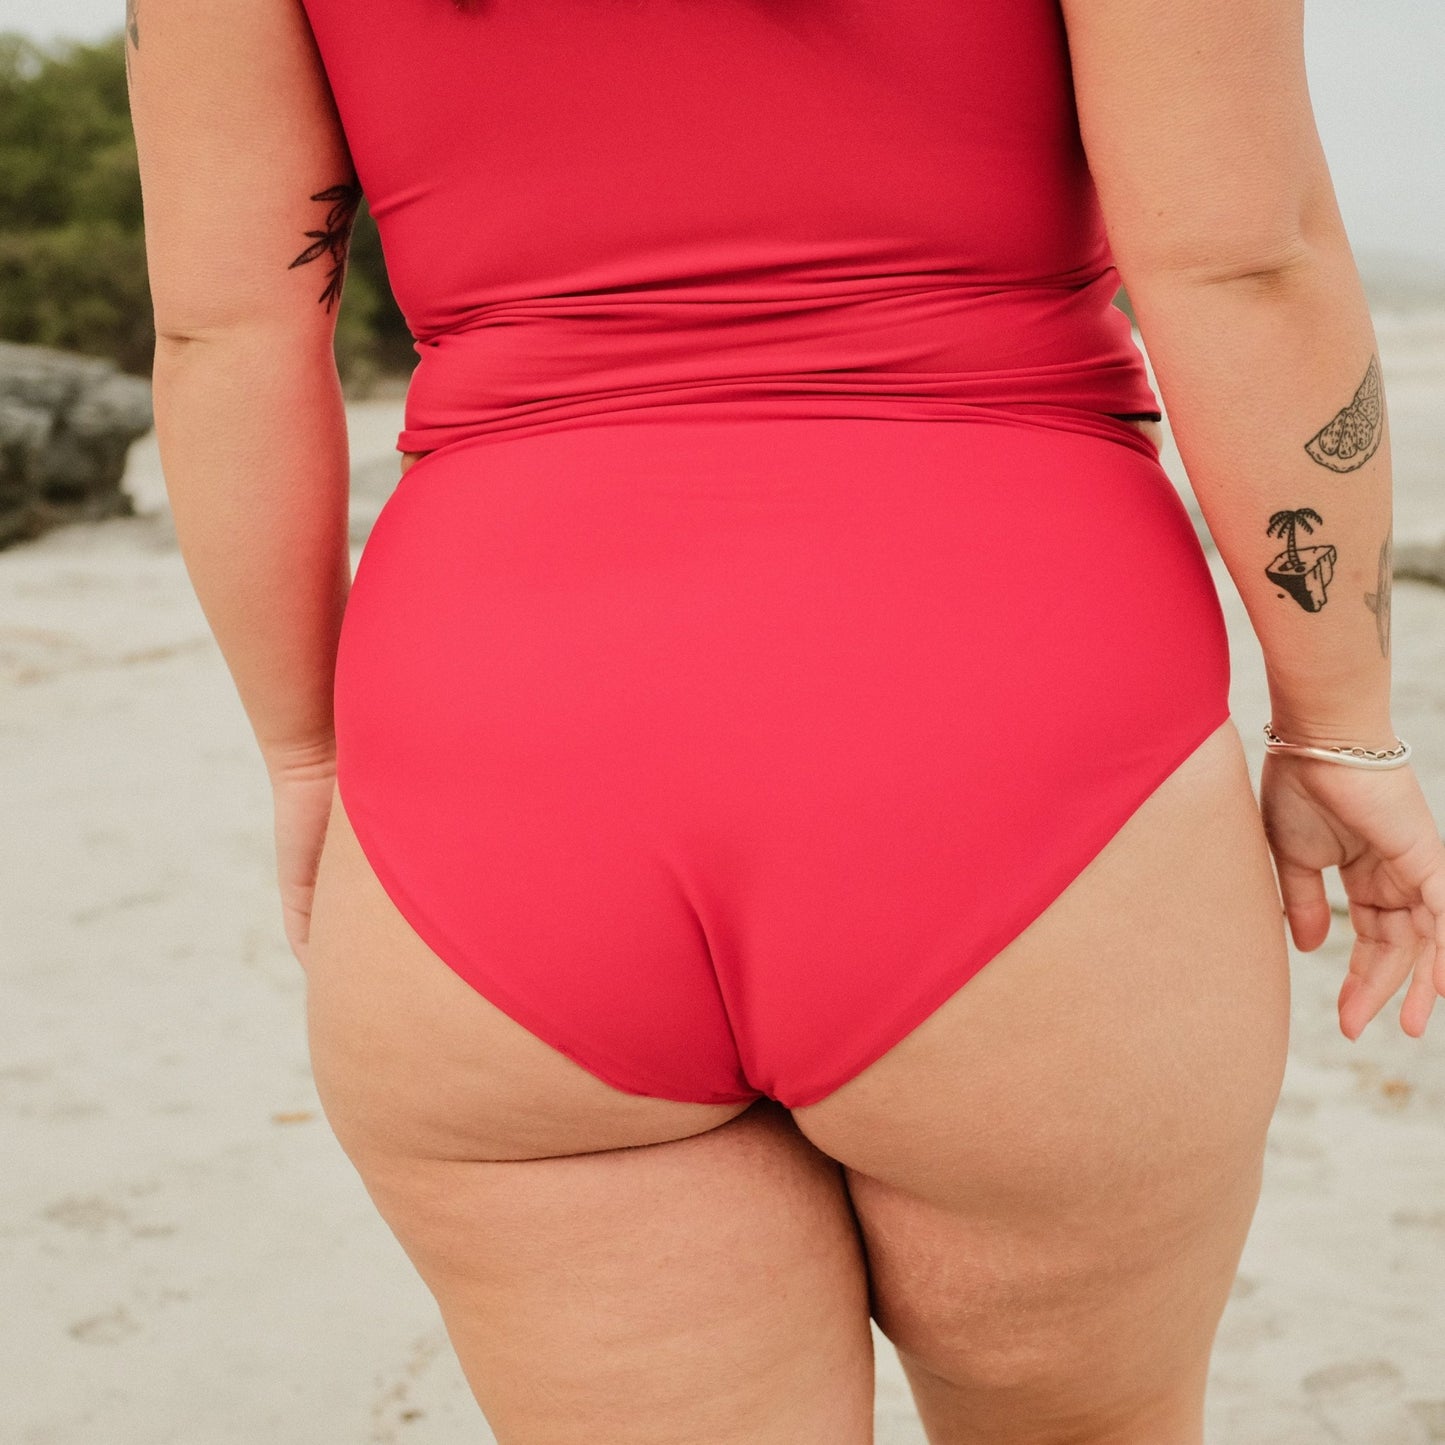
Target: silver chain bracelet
[{"x": 1355, "y": 757}]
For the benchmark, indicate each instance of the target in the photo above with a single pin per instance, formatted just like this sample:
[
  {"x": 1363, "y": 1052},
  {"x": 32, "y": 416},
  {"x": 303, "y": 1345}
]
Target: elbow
[
  {"x": 1262, "y": 265},
  {"x": 1262, "y": 246},
  {"x": 1267, "y": 269},
  {"x": 195, "y": 343},
  {"x": 190, "y": 333}
]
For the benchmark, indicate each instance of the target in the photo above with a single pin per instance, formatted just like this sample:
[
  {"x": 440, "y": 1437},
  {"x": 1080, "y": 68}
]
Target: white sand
[{"x": 187, "y": 1255}]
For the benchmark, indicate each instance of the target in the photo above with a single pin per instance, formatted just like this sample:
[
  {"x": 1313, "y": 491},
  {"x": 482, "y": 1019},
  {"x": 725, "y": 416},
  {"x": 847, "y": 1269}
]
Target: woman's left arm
[{"x": 249, "y": 196}]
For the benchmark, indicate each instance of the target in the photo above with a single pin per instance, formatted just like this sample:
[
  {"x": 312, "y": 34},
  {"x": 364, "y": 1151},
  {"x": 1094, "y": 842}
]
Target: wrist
[
  {"x": 1333, "y": 707},
  {"x": 1355, "y": 754},
  {"x": 1365, "y": 729}
]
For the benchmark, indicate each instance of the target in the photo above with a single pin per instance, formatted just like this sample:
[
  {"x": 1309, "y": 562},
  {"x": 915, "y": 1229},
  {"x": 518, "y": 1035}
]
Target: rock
[
  {"x": 1421, "y": 561},
  {"x": 1306, "y": 578},
  {"x": 66, "y": 424}
]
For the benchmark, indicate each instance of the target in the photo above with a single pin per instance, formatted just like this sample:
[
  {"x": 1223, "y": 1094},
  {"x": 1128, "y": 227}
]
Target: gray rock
[
  {"x": 66, "y": 424},
  {"x": 1420, "y": 561}
]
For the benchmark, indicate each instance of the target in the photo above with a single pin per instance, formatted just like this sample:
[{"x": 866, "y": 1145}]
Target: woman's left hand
[
  {"x": 1377, "y": 829},
  {"x": 302, "y": 782}
]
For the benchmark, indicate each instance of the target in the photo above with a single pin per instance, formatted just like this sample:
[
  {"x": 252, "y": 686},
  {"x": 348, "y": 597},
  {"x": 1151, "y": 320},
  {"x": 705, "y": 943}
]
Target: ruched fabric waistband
[{"x": 912, "y": 349}]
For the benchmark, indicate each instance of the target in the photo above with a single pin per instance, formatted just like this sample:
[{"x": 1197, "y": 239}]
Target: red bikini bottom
[{"x": 718, "y": 754}]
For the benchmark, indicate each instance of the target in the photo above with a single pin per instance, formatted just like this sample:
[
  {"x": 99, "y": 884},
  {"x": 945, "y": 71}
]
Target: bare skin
[{"x": 1042, "y": 1193}]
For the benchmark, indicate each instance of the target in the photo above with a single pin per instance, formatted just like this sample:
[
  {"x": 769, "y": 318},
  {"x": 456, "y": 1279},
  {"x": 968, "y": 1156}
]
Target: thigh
[
  {"x": 410, "y": 1057},
  {"x": 706, "y": 1289},
  {"x": 608, "y": 1265},
  {"x": 1056, "y": 1172}
]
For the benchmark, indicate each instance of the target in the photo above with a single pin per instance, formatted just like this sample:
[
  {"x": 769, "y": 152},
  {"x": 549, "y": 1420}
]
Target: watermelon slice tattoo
[
  {"x": 1351, "y": 437},
  {"x": 1303, "y": 572}
]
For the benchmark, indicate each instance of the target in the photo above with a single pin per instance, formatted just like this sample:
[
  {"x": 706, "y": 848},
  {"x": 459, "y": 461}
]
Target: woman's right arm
[{"x": 1222, "y": 217}]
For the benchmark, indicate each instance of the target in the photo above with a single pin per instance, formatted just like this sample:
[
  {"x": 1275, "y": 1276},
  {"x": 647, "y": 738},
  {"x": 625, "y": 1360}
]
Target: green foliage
[
  {"x": 81, "y": 287},
  {"x": 66, "y": 152},
  {"x": 72, "y": 248},
  {"x": 366, "y": 272}
]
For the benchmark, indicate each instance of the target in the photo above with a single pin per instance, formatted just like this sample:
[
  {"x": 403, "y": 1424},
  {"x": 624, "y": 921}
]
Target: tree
[{"x": 1283, "y": 524}]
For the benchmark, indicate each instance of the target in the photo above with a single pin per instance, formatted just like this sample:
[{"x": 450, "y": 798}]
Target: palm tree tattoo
[
  {"x": 334, "y": 238},
  {"x": 1350, "y": 438},
  {"x": 1303, "y": 572}
]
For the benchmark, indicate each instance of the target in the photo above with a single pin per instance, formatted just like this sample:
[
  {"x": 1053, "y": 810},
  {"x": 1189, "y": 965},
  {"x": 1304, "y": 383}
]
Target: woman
[{"x": 786, "y": 850}]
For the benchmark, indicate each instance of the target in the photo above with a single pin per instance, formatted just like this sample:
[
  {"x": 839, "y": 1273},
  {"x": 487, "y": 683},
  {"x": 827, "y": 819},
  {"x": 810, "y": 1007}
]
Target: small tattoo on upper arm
[
  {"x": 132, "y": 34},
  {"x": 1303, "y": 572},
  {"x": 1378, "y": 601},
  {"x": 334, "y": 238},
  {"x": 1351, "y": 436}
]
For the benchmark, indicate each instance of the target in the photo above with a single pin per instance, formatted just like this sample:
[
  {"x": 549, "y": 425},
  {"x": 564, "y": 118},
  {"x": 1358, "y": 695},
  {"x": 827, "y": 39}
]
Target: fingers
[
  {"x": 1385, "y": 952},
  {"x": 1426, "y": 882},
  {"x": 1432, "y": 891},
  {"x": 295, "y": 924},
  {"x": 1432, "y": 894},
  {"x": 1302, "y": 891},
  {"x": 1420, "y": 996}
]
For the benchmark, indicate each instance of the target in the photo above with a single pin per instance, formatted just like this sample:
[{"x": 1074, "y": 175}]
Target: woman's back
[{"x": 779, "y": 208}]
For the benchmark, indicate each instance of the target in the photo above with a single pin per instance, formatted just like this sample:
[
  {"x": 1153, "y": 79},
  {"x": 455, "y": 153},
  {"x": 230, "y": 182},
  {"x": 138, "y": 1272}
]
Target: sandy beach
[{"x": 189, "y": 1258}]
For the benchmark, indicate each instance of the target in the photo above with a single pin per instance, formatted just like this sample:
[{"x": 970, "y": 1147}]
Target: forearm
[
  {"x": 1251, "y": 369},
  {"x": 252, "y": 440}
]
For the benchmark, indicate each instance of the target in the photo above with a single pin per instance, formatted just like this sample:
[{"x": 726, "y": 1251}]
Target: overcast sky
[{"x": 1377, "y": 75}]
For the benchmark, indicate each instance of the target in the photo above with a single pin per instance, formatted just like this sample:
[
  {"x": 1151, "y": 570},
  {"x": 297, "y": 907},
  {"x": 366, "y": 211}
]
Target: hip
[{"x": 812, "y": 599}]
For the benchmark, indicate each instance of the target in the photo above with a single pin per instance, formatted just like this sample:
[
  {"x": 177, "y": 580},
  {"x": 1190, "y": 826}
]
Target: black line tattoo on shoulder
[
  {"x": 1303, "y": 572},
  {"x": 132, "y": 33},
  {"x": 1351, "y": 436},
  {"x": 334, "y": 237},
  {"x": 1378, "y": 601}
]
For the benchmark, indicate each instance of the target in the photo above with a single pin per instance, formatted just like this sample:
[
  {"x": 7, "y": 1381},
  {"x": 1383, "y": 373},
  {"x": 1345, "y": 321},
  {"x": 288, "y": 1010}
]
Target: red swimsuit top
[{"x": 599, "y": 210}]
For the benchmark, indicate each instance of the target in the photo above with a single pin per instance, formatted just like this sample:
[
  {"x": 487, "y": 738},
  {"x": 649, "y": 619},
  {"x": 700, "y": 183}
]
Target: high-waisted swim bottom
[{"x": 718, "y": 754}]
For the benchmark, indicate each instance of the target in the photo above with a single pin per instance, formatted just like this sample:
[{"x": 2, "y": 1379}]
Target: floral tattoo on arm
[{"x": 334, "y": 237}]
